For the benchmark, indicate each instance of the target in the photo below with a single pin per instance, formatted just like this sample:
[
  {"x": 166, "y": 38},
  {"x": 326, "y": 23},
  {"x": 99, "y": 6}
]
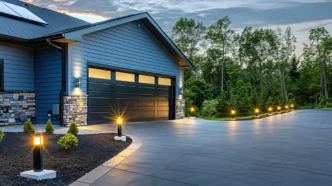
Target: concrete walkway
[{"x": 290, "y": 149}]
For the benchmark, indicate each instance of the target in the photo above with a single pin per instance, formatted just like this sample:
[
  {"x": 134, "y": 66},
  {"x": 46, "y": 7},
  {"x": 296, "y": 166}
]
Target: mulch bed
[{"x": 92, "y": 151}]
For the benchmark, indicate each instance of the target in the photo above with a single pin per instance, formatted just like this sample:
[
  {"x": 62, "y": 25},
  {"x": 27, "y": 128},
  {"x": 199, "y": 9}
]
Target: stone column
[
  {"x": 179, "y": 108},
  {"x": 75, "y": 109}
]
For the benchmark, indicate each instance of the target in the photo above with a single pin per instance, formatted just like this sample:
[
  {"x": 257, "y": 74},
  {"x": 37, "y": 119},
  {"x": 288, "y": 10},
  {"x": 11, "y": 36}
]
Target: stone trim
[
  {"x": 16, "y": 108},
  {"x": 179, "y": 108},
  {"x": 75, "y": 109}
]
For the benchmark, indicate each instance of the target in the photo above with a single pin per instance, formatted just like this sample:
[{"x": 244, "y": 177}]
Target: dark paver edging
[{"x": 98, "y": 172}]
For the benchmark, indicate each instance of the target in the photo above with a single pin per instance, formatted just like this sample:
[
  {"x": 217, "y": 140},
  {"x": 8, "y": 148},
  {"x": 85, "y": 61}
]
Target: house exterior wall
[
  {"x": 18, "y": 67},
  {"x": 48, "y": 82},
  {"x": 128, "y": 46},
  {"x": 17, "y": 103}
]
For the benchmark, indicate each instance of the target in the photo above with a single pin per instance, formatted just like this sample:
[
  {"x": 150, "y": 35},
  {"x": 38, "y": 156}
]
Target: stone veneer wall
[
  {"x": 21, "y": 107},
  {"x": 75, "y": 109},
  {"x": 179, "y": 109}
]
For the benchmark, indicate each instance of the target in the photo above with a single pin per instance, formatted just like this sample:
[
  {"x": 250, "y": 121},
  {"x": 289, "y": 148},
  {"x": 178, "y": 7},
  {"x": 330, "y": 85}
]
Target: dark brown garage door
[{"x": 135, "y": 96}]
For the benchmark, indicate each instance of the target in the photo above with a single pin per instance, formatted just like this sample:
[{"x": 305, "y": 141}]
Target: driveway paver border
[{"x": 101, "y": 170}]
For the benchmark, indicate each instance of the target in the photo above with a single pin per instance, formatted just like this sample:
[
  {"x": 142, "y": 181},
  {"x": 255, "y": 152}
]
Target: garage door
[{"x": 137, "y": 97}]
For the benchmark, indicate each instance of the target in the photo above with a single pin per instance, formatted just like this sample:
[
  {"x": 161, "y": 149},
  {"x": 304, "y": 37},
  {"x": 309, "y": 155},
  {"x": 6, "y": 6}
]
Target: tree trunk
[
  {"x": 321, "y": 74},
  {"x": 284, "y": 86},
  {"x": 326, "y": 93}
]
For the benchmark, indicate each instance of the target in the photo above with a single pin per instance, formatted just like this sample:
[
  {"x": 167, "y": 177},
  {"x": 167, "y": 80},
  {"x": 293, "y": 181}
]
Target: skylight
[{"x": 19, "y": 12}]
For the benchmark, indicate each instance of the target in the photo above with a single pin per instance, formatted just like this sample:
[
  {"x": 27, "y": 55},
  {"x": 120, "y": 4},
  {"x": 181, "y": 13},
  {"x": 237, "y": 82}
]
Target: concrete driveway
[{"x": 284, "y": 150}]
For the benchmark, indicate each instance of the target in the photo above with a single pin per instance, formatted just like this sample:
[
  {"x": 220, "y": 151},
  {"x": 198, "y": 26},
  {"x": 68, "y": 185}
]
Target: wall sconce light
[{"x": 78, "y": 83}]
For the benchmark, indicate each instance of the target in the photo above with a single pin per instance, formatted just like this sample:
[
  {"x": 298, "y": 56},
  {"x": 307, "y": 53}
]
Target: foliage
[
  {"x": 28, "y": 127},
  {"x": 209, "y": 107},
  {"x": 253, "y": 67},
  {"x": 73, "y": 129},
  {"x": 68, "y": 141},
  {"x": 49, "y": 127},
  {"x": 2, "y": 134}
]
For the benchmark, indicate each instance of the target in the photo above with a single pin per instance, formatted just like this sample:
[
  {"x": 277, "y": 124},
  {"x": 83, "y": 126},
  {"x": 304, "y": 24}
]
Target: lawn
[
  {"x": 250, "y": 117},
  {"x": 92, "y": 151}
]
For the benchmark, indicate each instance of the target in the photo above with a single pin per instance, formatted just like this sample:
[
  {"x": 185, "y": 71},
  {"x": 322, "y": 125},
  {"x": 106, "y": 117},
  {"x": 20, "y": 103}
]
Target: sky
[{"x": 300, "y": 15}]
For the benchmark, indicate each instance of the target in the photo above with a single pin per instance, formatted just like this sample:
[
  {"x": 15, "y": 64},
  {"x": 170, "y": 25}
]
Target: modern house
[{"x": 53, "y": 66}]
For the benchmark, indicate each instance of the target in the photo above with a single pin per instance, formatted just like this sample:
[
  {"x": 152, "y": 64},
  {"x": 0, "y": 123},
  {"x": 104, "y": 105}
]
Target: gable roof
[
  {"x": 77, "y": 33},
  {"x": 67, "y": 27},
  {"x": 21, "y": 29}
]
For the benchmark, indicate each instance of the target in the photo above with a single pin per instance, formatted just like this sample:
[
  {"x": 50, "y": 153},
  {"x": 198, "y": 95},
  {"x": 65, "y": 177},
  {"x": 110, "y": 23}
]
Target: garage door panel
[{"x": 137, "y": 101}]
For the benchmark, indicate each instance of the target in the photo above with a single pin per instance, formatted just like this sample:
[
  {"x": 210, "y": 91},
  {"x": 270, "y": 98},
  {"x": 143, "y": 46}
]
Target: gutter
[{"x": 63, "y": 89}]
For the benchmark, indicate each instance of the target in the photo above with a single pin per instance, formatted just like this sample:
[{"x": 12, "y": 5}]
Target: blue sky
[{"x": 300, "y": 15}]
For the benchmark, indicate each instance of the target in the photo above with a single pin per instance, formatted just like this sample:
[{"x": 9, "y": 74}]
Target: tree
[{"x": 220, "y": 37}]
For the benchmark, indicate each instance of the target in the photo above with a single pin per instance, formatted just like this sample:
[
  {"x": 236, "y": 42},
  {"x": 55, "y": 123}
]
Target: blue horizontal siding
[
  {"x": 48, "y": 82},
  {"x": 18, "y": 67},
  {"x": 125, "y": 46}
]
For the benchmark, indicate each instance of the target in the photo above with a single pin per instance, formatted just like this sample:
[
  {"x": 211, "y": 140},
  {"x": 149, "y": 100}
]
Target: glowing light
[
  {"x": 270, "y": 109},
  {"x": 286, "y": 107},
  {"x": 192, "y": 109},
  {"x": 38, "y": 140},
  {"x": 233, "y": 112},
  {"x": 256, "y": 110},
  {"x": 279, "y": 108},
  {"x": 292, "y": 105},
  {"x": 119, "y": 120}
]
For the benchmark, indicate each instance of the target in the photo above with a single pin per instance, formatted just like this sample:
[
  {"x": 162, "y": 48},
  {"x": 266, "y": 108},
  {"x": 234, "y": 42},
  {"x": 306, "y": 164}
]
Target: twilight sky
[{"x": 300, "y": 15}]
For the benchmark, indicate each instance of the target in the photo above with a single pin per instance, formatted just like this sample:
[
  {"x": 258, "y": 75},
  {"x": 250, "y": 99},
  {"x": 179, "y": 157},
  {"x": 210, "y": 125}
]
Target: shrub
[
  {"x": 209, "y": 108},
  {"x": 68, "y": 141},
  {"x": 28, "y": 127},
  {"x": 73, "y": 129},
  {"x": 1, "y": 135},
  {"x": 49, "y": 127}
]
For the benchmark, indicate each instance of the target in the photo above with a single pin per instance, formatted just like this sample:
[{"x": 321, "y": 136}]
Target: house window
[
  {"x": 146, "y": 79},
  {"x": 164, "y": 81},
  {"x": 1, "y": 76},
  {"x": 122, "y": 76},
  {"x": 99, "y": 73}
]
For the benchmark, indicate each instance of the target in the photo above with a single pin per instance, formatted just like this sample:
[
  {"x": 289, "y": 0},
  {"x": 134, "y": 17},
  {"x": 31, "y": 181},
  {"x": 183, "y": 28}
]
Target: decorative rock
[
  {"x": 75, "y": 109},
  {"x": 179, "y": 108}
]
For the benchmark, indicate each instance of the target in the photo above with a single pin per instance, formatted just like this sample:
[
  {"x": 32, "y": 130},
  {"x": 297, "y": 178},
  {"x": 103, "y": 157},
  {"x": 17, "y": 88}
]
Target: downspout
[{"x": 63, "y": 89}]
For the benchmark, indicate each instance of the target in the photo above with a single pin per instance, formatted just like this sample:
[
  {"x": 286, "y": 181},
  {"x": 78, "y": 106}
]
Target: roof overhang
[{"x": 77, "y": 34}]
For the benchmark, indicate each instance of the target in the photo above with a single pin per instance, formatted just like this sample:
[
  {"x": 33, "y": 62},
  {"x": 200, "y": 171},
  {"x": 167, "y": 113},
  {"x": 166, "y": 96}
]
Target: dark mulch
[{"x": 92, "y": 151}]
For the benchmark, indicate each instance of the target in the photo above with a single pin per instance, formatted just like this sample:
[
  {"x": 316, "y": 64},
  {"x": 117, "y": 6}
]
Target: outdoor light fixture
[
  {"x": 78, "y": 83},
  {"x": 192, "y": 110},
  {"x": 38, "y": 171},
  {"x": 278, "y": 108},
  {"x": 38, "y": 152},
  {"x": 256, "y": 111},
  {"x": 270, "y": 110},
  {"x": 292, "y": 106},
  {"x": 119, "y": 123},
  {"x": 233, "y": 112},
  {"x": 286, "y": 107}
]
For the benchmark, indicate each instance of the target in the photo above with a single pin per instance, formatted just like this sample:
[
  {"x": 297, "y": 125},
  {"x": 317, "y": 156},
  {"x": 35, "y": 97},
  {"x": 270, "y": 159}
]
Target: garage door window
[
  {"x": 146, "y": 79},
  {"x": 164, "y": 81},
  {"x": 99, "y": 73},
  {"x": 121, "y": 76}
]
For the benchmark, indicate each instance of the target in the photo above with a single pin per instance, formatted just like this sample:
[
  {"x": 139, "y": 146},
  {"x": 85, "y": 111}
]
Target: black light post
[
  {"x": 256, "y": 111},
  {"x": 192, "y": 110},
  {"x": 38, "y": 153},
  {"x": 233, "y": 113},
  {"x": 119, "y": 124}
]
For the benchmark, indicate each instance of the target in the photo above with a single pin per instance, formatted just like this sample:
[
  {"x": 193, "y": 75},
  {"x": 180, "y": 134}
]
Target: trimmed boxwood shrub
[
  {"x": 73, "y": 129},
  {"x": 2, "y": 134},
  {"x": 68, "y": 141},
  {"x": 28, "y": 127},
  {"x": 49, "y": 127}
]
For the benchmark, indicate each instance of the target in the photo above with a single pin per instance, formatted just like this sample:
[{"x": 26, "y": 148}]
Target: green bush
[
  {"x": 68, "y": 141},
  {"x": 209, "y": 108},
  {"x": 1, "y": 135},
  {"x": 73, "y": 129},
  {"x": 49, "y": 127},
  {"x": 28, "y": 127}
]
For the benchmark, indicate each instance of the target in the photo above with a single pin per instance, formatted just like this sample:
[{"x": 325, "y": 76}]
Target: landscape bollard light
[
  {"x": 270, "y": 110},
  {"x": 38, "y": 172},
  {"x": 192, "y": 110},
  {"x": 286, "y": 107},
  {"x": 38, "y": 152},
  {"x": 256, "y": 112},
  {"x": 119, "y": 123},
  {"x": 292, "y": 106},
  {"x": 279, "y": 109},
  {"x": 233, "y": 112}
]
